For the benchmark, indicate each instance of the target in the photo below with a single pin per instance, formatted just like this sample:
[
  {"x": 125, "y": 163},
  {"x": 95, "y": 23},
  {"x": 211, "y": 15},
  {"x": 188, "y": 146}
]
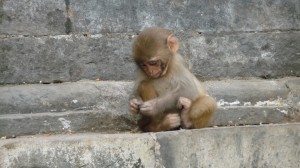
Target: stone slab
[
  {"x": 33, "y": 17},
  {"x": 37, "y": 17},
  {"x": 248, "y": 146},
  {"x": 251, "y": 146},
  {"x": 65, "y": 58},
  {"x": 251, "y": 92},
  {"x": 252, "y": 115},
  {"x": 114, "y": 95},
  {"x": 202, "y": 16},
  {"x": 79, "y": 150},
  {"x": 83, "y": 95},
  {"x": 265, "y": 55},
  {"x": 98, "y": 121},
  {"x": 108, "y": 57},
  {"x": 65, "y": 122},
  {"x": 102, "y": 106},
  {"x": 112, "y": 122},
  {"x": 294, "y": 87}
]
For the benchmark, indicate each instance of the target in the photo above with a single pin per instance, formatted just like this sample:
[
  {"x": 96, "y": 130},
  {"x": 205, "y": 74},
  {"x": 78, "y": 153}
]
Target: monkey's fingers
[
  {"x": 135, "y": 102},
  {"x": 133, "y": 110},
  {"x": 146, "y": 110},
  {"x": 134, "y": 105},
  {"x": 183, "y": 103}
]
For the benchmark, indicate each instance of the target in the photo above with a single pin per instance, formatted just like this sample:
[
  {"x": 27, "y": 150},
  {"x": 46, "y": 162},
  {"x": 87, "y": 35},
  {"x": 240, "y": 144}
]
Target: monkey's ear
[{"x": 172, "y": 43}]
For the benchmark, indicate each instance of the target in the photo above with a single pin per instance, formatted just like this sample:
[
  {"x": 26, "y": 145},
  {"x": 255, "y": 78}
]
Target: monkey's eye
[
  {"x": 142, "y": 65},
  {"x": 154, "y": 63}
]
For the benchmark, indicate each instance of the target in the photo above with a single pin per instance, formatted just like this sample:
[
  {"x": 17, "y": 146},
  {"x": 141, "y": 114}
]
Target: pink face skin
[{"x": 152, "y": 67}]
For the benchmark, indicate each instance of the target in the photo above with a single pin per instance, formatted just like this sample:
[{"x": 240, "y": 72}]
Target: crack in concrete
[{"x": 157, "y": 154}]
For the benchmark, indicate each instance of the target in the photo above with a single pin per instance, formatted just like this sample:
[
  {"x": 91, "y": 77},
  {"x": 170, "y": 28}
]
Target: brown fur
[{"x": 175, "y": 81}]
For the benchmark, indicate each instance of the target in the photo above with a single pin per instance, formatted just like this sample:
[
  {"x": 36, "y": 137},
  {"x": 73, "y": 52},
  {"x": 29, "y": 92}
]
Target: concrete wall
[{"x": 71, "y": 40}]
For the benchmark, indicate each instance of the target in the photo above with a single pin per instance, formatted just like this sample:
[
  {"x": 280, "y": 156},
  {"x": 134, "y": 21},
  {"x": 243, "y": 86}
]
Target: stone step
[
  {"x": 247, "y": 146},
  {"x": 108, "y": 57},
  {"x": 114, "y": 95},
  {"x": 102, "y": 106},
  {"x": 62, "y": 17}
]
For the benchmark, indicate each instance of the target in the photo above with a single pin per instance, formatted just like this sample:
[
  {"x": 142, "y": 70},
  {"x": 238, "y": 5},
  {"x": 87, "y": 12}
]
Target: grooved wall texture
[{"x": 72, "y": 39}]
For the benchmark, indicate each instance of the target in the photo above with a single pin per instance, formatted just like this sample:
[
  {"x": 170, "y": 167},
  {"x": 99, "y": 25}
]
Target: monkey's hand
[
  {"x": 184, "y": 104},
  {"x": 134, "y": 106},
  {"x": 148, "y": 108}
]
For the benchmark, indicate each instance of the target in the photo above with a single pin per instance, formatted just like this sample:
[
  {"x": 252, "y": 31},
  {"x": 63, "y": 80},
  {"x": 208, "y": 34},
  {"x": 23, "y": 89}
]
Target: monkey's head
[{"x": 153, "y": 50}]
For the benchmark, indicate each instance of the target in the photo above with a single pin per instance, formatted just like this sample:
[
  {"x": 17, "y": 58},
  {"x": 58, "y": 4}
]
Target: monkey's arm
[
  {"x": 159, "y": 104},
  {"x": 168, "y": 101},
  {"x": 134, "y": 100}
]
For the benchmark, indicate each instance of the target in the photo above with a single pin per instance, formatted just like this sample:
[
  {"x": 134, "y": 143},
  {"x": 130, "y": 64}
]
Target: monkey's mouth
[{"x": 156, "y": 75}]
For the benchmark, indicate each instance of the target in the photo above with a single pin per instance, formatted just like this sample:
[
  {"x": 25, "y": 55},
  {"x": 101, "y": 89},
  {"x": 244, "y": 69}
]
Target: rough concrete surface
[
  {"x": 249, "y": 146},
  {"x": 65, "y": 122},
  {"x": 33, "y": 17},
  {"x": 102, "y": 106},
  {"x": 82, "y": 95},
  {"x": 254, "y": 146},
  {"x": 65, "y": 58},
  {"x": 108, "y": 57},
  {"x": 37, "y": 17},
  {"x": 114, "y": 95},
  {"x": 82, "y": 150}
]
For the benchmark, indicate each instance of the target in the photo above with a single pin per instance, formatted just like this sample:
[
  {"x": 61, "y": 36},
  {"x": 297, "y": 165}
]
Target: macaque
[{"x": 167, "y": 95}]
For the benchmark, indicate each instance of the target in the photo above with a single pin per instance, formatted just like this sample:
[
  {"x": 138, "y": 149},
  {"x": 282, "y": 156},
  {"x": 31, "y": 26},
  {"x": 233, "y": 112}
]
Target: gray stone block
[
  {"x": 83, "y": 95},
  {"x": 65, "y": 58},
  {"x": 294, "y": 87},
  {"x": 66, "y": 122},
  {"x": 33, "y": 17},
  {"x": 62, "y": 17},
  {"x": 81, "y": 150},
  {"x": 254, "y": 146},
  {"x": 266, "y": 55},
  {"x": 103, "y": 106},
  {"x": 251, "y": 115},
  {"x": 114, "y": 96},
  {"x": 249, "y": 146},
  {"x": 108, "y": 57},
  {"x": 294, "y": 96},
  {"x": 248, "y": 92}
]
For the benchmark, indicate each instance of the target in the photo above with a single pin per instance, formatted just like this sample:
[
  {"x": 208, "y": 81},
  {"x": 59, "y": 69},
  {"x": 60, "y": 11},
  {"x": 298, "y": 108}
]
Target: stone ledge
[
  {"x": 114, "y": 95},
  {"x": 248, "y": 146},
  {"x": 101, "y": 106}
]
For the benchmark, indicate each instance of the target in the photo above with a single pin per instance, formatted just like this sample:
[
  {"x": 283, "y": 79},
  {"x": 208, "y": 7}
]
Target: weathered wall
[
  {"x": 70, "y": 40},
  {"x": 36, "y": 17}
]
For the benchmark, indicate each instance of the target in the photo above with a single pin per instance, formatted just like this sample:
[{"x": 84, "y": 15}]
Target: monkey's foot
[{"x": 171, "y": 121}]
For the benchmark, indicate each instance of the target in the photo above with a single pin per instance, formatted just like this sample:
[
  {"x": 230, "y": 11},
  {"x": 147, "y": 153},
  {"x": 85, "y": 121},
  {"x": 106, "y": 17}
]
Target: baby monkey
[{"x": 167, "y": 95}]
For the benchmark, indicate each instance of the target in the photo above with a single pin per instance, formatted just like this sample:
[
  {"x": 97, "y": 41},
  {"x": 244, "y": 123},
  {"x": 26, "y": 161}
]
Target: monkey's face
[
  {"x": 153, "y": 67},
  {"x": 152, "y": 51}
]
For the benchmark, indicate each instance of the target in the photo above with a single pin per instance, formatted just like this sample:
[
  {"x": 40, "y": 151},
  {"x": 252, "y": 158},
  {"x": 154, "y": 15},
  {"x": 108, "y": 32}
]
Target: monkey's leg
[
  {"x": 201, "y": 111},
  {"x": 157, "y": 123},
  {"x": 161, "y": 122}
]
